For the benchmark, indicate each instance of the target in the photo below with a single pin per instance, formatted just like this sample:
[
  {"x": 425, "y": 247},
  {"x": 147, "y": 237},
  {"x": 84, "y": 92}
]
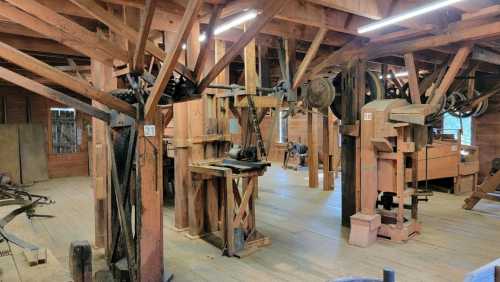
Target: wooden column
[
  {"x": 312, "y": 144},
  {"x": 327, "y": 176},
  {"x": 251, "y": 89},
  {"x": 359, "y": 96},
  {"x": 222, "y": 103},
  {"x": 196, "y": 125},
  {"x": 354, "y": 97},
  {"x": 182, "y": 176},
  {"x": 150, "y": 234},
  {"x": 335, "y": 149},
  {"x": 102, "y": 79}
]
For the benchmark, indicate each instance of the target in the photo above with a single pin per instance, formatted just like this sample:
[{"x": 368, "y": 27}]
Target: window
[
  {"x": 64, "y": 130},
  {"x": 451, "y": 125}
]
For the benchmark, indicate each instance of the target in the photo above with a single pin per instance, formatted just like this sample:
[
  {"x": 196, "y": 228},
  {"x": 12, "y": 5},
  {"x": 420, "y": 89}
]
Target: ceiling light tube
[
  {"x": 230, "y": 24},
  {"x": 236, "y": 22},
  {"x": 398, "y": 74},
  {"x": 405, "y": 16}
]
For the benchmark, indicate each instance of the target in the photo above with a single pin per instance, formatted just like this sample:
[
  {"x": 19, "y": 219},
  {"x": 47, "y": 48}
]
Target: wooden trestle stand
[
  {"x": 387, "y": 142},
  {"x": 237, "y": 234}
]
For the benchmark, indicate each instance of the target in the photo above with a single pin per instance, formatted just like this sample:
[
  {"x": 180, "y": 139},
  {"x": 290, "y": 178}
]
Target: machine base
[
  {"x": 364, "y": 229},
  {"x": 398, "y": 234}
]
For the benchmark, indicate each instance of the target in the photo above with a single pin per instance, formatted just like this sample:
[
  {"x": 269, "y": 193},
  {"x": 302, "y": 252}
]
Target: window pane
[
  {"x": 451, "y": 125},
  {"x": 64, "y": 132}
]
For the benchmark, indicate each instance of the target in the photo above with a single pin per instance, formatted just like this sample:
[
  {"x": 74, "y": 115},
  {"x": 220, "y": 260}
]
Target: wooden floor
[{"x": 304, "y": 225}]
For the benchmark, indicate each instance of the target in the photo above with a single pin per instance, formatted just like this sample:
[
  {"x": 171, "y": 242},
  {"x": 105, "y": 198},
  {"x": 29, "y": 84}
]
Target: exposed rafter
[
  {"x": 147, "y": 19},
  {"x": 202, "y": 57},
  {"x": 52, "y": 94},
  {"x": 190, "y": 16},
  {"x": 44, "y": 70},
  {"x": 271, "y": 8},
  {"x": 89, "y": 39},
  {"x": 116, "y": 25},
  {"x": 52, "y": 32},
  {"x": 311, "y": 53}
]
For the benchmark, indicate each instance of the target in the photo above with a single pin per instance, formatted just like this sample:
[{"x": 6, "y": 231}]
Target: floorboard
[{"x": 308, "y": 242}]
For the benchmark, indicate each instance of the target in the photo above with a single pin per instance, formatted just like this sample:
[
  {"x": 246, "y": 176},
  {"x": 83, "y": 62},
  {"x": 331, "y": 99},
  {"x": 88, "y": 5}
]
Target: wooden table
[{"x": 235, "y": 214}]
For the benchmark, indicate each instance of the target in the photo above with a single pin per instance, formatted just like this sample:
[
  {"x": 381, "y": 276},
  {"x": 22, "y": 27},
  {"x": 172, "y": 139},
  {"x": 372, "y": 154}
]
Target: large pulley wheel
[
  {"x": 320, "y": 94},
  {"x": 374, "y": 89}
]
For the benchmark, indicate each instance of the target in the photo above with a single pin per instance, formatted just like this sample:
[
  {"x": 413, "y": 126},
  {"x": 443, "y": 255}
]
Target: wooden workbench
[{"x": 231, "y": 220}]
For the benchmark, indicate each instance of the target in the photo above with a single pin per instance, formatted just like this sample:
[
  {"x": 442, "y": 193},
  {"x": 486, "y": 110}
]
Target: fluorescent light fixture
[
  {"x": 202, "y": 37},
  {"x": 230, "y": 24},
  {"x": 184, "y": 46},
  {"x": 236, "y": 22},
  {"x": 398, "y": 74},
  {"x": 411, "y": 14},
  {"x": 62, "y": 109}
]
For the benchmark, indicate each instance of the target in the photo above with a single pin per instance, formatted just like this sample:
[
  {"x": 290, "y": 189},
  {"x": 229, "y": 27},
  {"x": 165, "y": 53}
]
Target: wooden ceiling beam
[
  {"x": 37, "y": 45},
  {"x": 311, "y": 53},
  {"x": 116, "y": 25},
  {"x": 370, "y": 51},
  {"x": 49, "y": 31},
  {"x": 371, "y": 9},
  {"x": 72, "y": 83},
  {"x": 269, "y": 11},
  {"x": 147, "y": 19},
  {"x": 89, "y": 39},
  {"x": 412, "y": 78},
  {"x": 52, "y": 94},
  {"x": 209, "y": 33},
  {"x": 455, "y": 66},
  {"x": 190, "y": 16}
]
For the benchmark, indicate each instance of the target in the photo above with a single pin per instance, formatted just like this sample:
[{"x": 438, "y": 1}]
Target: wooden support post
[
  {"x": 197, "y": 122},
  {"x": 102, "y": 79},
  {"x": 229, "y": 213},
  {"x": 250, "y": 89},
  {"x": 150, "y": 234},
  {"x": 349, "y": 152},
  {"x": 222, "y": 103},
  {"x": 313, "y": 149},
  {"x": 412, "y": 78},
  {"x": 335, "y": 147},
  {"x": 359, "y": 99},
  {"x": 327, "y": 176},
  {"x": 182, "y": 177}
]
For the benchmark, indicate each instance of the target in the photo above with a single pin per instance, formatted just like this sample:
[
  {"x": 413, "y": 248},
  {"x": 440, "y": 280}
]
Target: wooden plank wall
[
  {"x": 487, "y": 136},
  {"x": 23, "y": 106}
]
